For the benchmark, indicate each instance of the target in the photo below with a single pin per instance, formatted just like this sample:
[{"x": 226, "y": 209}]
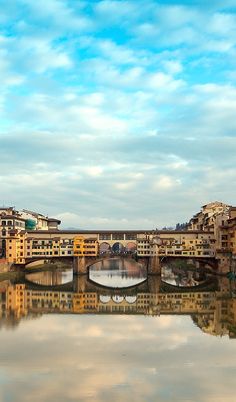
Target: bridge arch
[
  {"x": 118, "y": 248},
  {"x": 104, "y": 248},
  {"x": 131, "y": 247}
]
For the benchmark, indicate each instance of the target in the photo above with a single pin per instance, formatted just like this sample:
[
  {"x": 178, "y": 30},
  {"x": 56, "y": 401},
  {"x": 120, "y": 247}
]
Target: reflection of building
[
  {"x": 17, "y": 300},
  {"x": 220, "y": 321},
  {"x": 213, "y": 311},
  {"x": 85, "y": 302}
]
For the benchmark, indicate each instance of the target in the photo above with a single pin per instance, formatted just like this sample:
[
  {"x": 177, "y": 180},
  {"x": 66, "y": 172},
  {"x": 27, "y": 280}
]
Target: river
[{"x": 117, "y": 335}]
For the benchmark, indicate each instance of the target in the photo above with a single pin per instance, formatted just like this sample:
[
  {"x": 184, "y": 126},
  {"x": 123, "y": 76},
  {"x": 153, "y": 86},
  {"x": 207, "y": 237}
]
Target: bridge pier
[
  {"x": 79, "y": 265},
  {"x": 154, "y": 266}
]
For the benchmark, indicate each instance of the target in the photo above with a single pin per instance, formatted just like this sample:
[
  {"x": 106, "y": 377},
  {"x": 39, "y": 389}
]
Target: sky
[{"x": 117, "y": 114}]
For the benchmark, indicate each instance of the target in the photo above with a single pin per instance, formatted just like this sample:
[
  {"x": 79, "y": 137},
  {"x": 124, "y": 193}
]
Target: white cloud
[
  {"x": 124, "y": 186},
  {"x": 117, "y": 53},
  {"x": 222, "y": 24},
  {"x": 94, "y": 171},
  {"x": 42, "y": 55},
  {"x": 166, "y": 183},
  {"x": 173, "y": 66},
  {"x": 60, "y": 14}
]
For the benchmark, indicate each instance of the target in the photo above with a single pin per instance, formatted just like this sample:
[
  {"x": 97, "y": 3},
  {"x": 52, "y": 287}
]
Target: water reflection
[
  {"x": 79, "y": 341},
  {"x": 211, "y": 302},
  {"x": 117, "y": 273},
  {"x": 182, "y": 277},
  {"x": 51, "y": 277}
]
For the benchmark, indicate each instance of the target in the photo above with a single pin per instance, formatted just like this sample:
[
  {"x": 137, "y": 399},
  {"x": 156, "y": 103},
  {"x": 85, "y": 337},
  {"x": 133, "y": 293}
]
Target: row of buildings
[
  {"x": 11, "y": 219},
  {"x": 14, "y": 224},
  {"x": 26, "y": 235},
  {"x": 24, "y": 246},
  {"x": 220, "y": 219}
]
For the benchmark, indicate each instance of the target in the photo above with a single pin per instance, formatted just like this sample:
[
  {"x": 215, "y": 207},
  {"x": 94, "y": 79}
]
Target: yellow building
[
  {"x": 15, "y": 247},
  {"x": 172, "y": 243},
  {"x": 85, "y": 246}
]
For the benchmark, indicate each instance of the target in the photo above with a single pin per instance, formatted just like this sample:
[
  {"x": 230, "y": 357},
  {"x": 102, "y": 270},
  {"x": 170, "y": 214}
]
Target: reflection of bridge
[
  {"x": 153, "y": 284},
  {"x": 211, "y": 303}
]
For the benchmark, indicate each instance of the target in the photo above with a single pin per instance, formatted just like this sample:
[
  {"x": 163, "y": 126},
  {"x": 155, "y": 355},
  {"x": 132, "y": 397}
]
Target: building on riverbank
[{"x": 211, "y": 234}]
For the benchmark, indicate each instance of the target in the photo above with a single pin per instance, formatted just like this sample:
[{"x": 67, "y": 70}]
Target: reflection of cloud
[{"x": 104, "y": 358}]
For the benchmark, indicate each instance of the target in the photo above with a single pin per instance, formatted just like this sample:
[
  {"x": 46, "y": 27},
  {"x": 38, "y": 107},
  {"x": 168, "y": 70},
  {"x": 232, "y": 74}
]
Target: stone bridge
[
  {"x": 153, "y": 264},
  {"x": 81, "y": 265}
]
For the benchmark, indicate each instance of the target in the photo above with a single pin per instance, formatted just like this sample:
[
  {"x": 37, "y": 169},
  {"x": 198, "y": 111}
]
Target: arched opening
[
  {"x": 118, "y": 248},
  {"x": 104, "y": 248},
  {"x": 131, "y": 247}
]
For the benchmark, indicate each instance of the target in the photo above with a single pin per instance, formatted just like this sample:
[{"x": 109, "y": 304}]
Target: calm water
[
  {"x": 165, "y": 339},
  {"x": 118, "y": 273}
]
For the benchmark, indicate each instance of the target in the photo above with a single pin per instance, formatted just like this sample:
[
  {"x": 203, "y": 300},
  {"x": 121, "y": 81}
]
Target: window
[
  {"x": 118, "y": 236},
  {"x": 104, "y": 236},
  {"x": 130, "y": 236}
]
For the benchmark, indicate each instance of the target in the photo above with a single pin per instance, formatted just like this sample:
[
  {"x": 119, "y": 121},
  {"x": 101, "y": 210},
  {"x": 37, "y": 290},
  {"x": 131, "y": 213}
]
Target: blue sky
[{"x": 117, "y": 114}]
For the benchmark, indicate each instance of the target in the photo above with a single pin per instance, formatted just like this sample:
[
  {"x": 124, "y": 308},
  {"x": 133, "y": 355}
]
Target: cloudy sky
[{"x": 117, "y": 113}]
